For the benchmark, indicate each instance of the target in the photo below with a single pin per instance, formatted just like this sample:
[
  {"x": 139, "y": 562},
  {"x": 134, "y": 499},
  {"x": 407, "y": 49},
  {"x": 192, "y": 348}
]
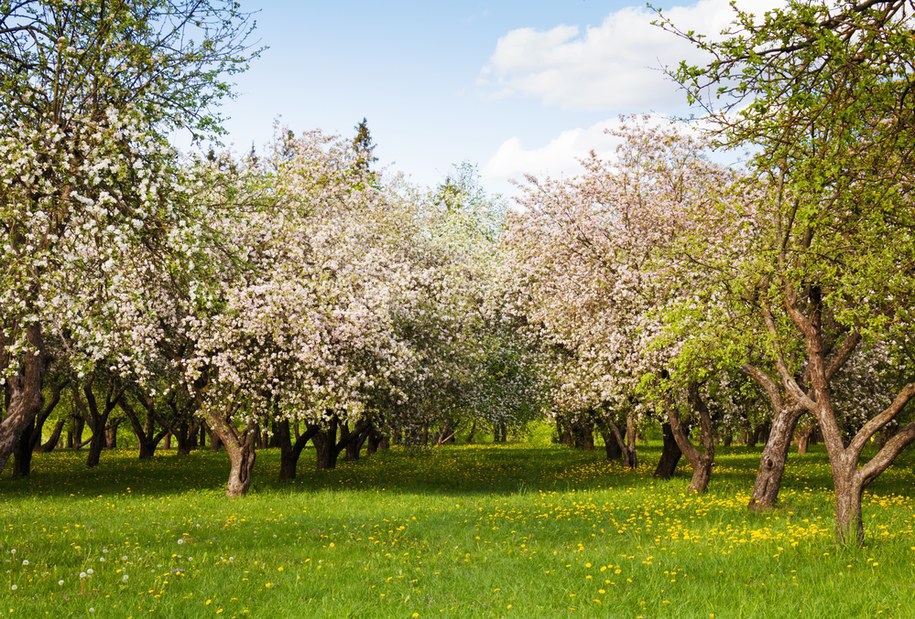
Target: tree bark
[
  {"x": 611, "y": 446},
  {"x": 289, "y": 451},
  {"x": 700, "y": 461},
  {"x": 670, "y": 454},
  {"x": 22, "y": 454},
  {"x": 630, "y": 457},
  {"x": 97, "y": 418},
  {"x": 25, "y": 398},
  {"x": 325, "y": 441},
  {"x": 803, "y": 438},
  {"x": 240, "y": 446},
  {"x": 147, "y": 437},
  {"x": 354, "y": 446},
  {"x": 849, "y": 523},
  {"x": 774, "y": 457}
]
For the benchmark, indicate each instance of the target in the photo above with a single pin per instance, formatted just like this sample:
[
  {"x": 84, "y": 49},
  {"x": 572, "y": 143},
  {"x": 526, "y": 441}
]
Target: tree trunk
[
  {"x": 96, "y": 444},
  {"x": 773, "y": 459},
  {"x": 374, "y": 441},
  {"x": 630, "y": 458},
  {"x": 79, "y": 426},
  {"x": 55, "y": 437},
  {"x": 96, "y": 418},
  {"x": 111, "y": 433},
  {"x": 46, "y": 411},
  {"x": 241, "y": 459},
  {"x": 803, "y": 438},
  {"x": 501, "y": 433},
  {"x": 239, "y": 446},
  {"x": 670, "y": 454},
  {"x": 289, "y": 451},
  {"x": 147, "y": 438},
  {"x": 355, "y": 445},
  {"x": 325, "y": 441},
  {"x": 22, "y": 454},
  {"x": 700, "y": 461},
  {"x": 611, "y": 446},
  {"x": 184, "y": 435},
  {"x": 25, "y": 396},
  {"x": 849, "y": 523}
]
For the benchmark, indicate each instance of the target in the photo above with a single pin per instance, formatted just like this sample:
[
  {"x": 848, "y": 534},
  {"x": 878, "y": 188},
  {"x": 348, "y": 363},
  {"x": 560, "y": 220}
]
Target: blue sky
[{"x": 510, "y": 86}]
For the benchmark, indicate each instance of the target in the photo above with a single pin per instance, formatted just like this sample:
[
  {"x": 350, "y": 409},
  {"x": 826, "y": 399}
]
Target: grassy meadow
[{"x": 524, "y": 530}]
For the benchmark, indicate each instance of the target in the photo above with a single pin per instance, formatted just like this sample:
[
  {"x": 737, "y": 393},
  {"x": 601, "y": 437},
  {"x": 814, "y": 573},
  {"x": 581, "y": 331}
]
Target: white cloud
[
  {"x": 614, "y": 67},
  {"x": 560, "y": 157}
]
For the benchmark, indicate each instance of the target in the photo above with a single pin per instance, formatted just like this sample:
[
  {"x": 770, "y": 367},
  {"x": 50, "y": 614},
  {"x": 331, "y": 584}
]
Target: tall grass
[{"x": 477, "y": 531}]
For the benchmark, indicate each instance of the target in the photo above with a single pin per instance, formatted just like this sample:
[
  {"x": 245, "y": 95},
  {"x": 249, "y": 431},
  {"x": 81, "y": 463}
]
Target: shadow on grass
[{"x": 461, "y": 470}]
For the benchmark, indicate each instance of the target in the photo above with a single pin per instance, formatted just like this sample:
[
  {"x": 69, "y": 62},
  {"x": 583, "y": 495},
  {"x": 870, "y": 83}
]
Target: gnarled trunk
[
  {"x": 773, "y": 459},
  {"x": 240, "y": 446},
  {"x": 25, "y": 396}
]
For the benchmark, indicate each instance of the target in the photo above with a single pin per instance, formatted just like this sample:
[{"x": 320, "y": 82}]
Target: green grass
[{"x": 478, "y": 531}]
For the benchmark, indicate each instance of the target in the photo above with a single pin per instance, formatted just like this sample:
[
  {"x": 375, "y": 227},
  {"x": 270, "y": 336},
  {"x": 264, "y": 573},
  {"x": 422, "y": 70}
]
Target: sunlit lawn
[{"x": 485, "y": 531}]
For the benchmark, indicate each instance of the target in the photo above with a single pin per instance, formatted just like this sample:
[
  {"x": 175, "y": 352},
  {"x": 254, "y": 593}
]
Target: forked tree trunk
[
  {"x": 240, "y": 446},
  {"x": 621, "y": 447},
  {"x": 700, "y": 461},
  {"x": 97, "y": 418},
  {"x": 147, "y": 437},
  {"x": 670, "y": 454},
  {"x": 289, "y": 451},
  {"x": 25, "y": 397},
  {"x": 785, "y": 415},
  {"x": 354, "y": 446}
]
